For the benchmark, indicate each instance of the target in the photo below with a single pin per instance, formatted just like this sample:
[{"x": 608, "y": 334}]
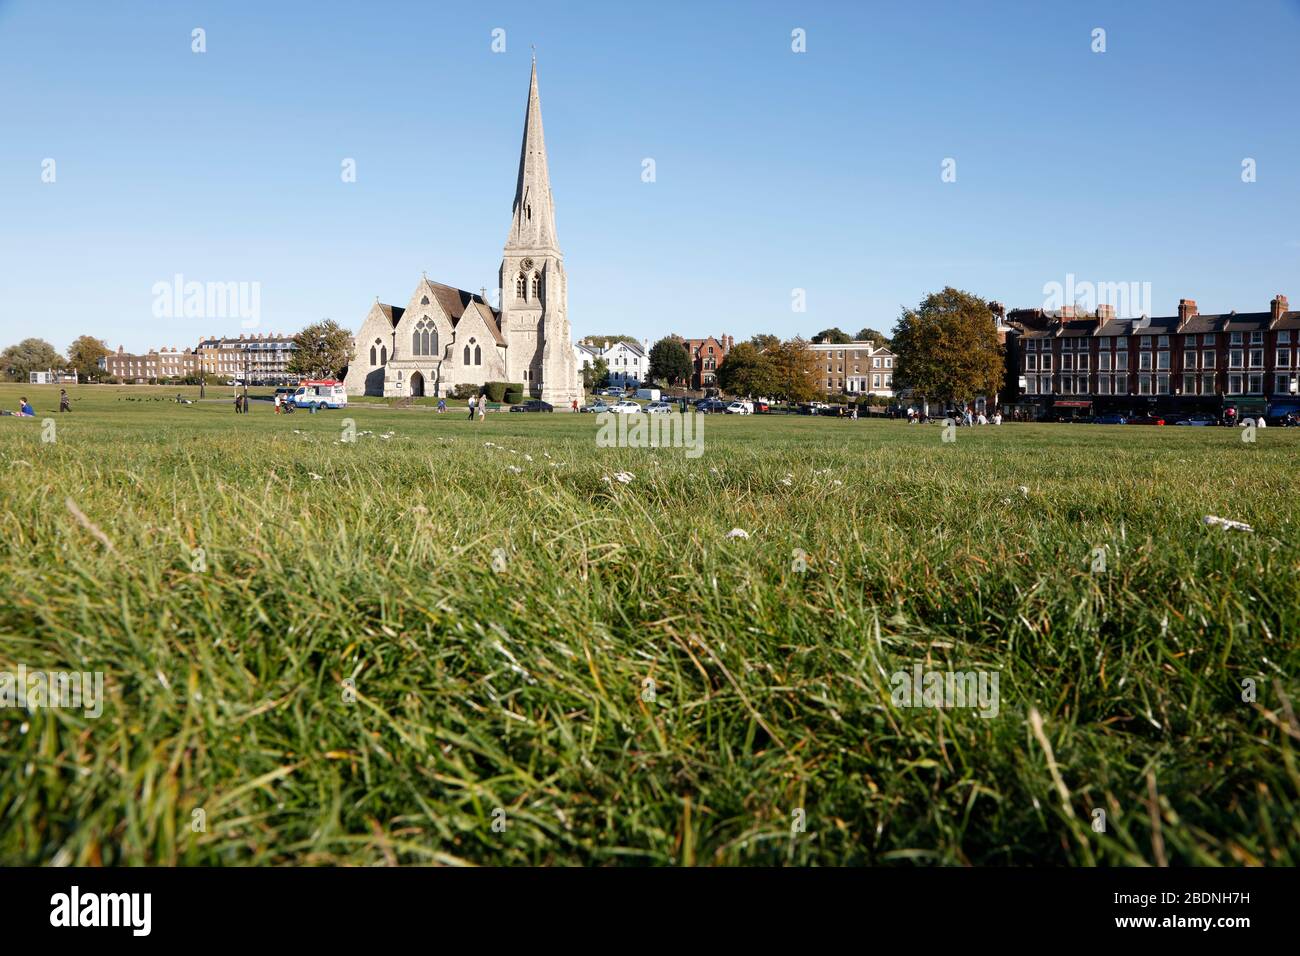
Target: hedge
[{"x": 496, "y": 391}]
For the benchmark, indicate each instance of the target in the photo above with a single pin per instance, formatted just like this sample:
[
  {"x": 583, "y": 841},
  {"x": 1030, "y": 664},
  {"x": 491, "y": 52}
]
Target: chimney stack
[
  {"x": 1186, "y": 309},
  {"x": 1105, "y": 313},
  {"x": 1278, "y": 307}
]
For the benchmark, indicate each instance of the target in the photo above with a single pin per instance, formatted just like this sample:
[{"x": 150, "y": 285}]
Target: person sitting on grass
[{"x": 24, "y": 410}]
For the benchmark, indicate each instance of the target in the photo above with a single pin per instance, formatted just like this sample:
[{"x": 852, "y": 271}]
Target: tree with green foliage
[
  {"x": 747, "y": 371},
  {"x": 947, "y": 348},
  {"x": 599, "y": 341},
  {"x": 878, "y": 339},
  {"x": 794, "y": 368},
  {"x": 84, "y": 355},
  {"x": 833, "y": 336},
  {"x": 324, "y": 350},
  {"x": 30, "y": 355},
  {"x": 670, "y": 361},
  {"x": 765, "y": 341},
  {"x": 595, "y": 375}
]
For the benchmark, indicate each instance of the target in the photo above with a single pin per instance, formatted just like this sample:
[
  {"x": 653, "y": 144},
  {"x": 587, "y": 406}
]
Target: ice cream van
[{"x": 324, "y": 393}]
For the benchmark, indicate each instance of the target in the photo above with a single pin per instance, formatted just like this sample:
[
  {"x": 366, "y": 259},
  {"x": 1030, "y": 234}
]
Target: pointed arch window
[
  {"x": 534, "y": 292},
  {"x": 467, "y": 355},
  {"x": 478, "y": 355},
  {"x": 424, "y": 300},
  {"x": 383, "y": 355},
  {"x": 373, "y": 356},
  {"x": 424, "y": 339},
  {"x": 521, "y": 286}
]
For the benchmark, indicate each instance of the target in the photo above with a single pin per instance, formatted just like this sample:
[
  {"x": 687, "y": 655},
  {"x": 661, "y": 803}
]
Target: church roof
[
  {"x": 455, "y": 302},
  {"x": 490, "y": 319},
  {"x": 392, "y": 313}
]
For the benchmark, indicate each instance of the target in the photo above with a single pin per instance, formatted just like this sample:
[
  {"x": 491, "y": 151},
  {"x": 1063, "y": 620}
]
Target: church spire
[{"x": 533, "y": 226}]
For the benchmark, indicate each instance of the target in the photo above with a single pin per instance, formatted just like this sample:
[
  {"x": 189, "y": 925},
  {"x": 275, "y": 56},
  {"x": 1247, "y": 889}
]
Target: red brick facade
[
  {"x": 1187, "y": 362},
  {"x": 706, "y": 355}
]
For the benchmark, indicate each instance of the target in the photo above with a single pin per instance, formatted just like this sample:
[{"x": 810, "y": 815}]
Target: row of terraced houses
[
  {"x": 1065, "y": 364},
  {"x": 261, "y": 359}
]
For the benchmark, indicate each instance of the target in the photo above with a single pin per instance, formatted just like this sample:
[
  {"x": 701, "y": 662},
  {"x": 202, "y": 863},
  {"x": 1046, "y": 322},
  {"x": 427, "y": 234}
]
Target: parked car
[
  {"x": 1198, "y": 420},
  {"x": 625, "y": 407},
  {"x": 1146, "y": 420},
  {"x": 658, "y": 408},
  {"x": 739, "y": 408},
  {"x": 710, "y": 406},
  {"x": 612, "y": 392},
  {"x": 533, "y": 405},
  {"x": 1110, "y": 420},
  {"x": 596, "y": 407},
  {"x": 762, "y": 408}
]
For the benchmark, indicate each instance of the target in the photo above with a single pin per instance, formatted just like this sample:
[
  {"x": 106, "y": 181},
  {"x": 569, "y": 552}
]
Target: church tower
[{"x": 534, "y": 294}]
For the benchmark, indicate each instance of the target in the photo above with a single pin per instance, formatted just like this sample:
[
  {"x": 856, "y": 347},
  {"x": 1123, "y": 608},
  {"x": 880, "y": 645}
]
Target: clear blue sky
[{"x": 775, "y": 170}]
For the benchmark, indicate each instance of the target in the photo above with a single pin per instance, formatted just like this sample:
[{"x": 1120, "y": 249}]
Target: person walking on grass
[
  {"x": 473, "y": 401},
  {"x": 442, "y": 405},
  {"x": 65, "y": 403},
  {"x": 482, "y": 407}
]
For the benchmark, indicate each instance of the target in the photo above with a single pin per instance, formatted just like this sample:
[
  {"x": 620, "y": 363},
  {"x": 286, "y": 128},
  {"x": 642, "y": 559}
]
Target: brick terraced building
[{"x": 1071, "y": 365}]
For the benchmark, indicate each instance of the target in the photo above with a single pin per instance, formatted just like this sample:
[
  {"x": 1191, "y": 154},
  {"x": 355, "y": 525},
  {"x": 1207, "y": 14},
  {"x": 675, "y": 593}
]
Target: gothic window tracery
[{"x": 424, "y": 340}]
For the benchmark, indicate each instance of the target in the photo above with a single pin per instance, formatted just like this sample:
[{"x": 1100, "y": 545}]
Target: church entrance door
[{"x": 417, "y": 385}]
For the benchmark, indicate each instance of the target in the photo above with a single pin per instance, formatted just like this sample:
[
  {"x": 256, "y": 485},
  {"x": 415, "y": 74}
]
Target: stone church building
[{"x": 446, "y": 337}]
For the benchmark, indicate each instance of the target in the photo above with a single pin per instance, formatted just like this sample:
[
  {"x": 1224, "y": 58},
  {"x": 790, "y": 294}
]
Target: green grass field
[{"x": 628, "y": 685}]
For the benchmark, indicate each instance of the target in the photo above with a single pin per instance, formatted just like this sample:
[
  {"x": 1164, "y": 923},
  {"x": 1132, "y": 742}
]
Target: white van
[{"x": 320, "y": 394}]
